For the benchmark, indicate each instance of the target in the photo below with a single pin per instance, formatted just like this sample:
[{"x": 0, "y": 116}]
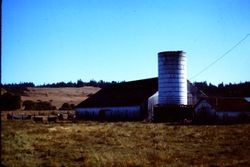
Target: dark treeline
[
  {"x": 20, "y": 88},
  {"x": 20, "y": 85},
  {"x": 17, "y": 89},
  {"x": 79, "y": 83},
  {"x": 225, "y": 90}
]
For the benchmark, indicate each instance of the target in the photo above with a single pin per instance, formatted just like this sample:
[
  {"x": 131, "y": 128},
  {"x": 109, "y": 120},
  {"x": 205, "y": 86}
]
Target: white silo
[{"x": 172, "y": 78}]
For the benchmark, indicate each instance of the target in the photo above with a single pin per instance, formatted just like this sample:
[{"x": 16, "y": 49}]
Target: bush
[
  {"x": 9, "y": 101},
  {"x": 44, "y": 105},
  {"x": 67, "y": 106},
  {"x": 40, "y": 105},
  {"x": 29, "y": 105}
]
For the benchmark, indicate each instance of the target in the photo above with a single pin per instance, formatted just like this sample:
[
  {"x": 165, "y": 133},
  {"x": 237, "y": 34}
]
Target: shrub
[
  {"x": 29, "y": 105},
  {"x": 10, "y": 101},
  {"x": 67, "y": 106},
  {"x": 40, "y": 105}
]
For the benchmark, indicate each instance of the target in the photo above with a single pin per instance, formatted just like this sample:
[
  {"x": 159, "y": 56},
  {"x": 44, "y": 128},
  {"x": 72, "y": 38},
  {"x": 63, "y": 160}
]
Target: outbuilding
[{"x": 222, "y": 110}]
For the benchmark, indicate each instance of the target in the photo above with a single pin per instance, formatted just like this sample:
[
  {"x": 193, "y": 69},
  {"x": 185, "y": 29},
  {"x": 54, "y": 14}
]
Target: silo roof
[{"x": 171, "y": 52}]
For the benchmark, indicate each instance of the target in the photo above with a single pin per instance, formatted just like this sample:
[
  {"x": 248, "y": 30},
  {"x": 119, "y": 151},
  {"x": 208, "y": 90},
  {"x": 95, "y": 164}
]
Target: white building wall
[
  {"x": 247, "y": 99},
  {"x": 204, "y": 106},
  {"x": 124, "y": 112},
  {"x": 152, "y": 101},
  {"x": 227, "y": 115},
  {"x": 194, "y": 95}
]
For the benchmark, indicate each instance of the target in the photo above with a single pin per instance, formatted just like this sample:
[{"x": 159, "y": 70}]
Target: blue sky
[{"x": 46, "y": 41}]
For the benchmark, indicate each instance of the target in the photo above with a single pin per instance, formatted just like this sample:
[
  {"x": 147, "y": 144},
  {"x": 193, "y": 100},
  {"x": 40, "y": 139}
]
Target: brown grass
[
  {"x": 58, "y": 96},
  {"x": 123, "y": 144}
]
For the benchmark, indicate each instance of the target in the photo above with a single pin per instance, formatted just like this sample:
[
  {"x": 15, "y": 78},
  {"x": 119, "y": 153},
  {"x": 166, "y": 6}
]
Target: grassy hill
[{"x": 58, "y": 96}]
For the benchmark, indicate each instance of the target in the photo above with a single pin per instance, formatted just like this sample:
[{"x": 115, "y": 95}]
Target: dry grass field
[
  {"x": 123, "y": 144},
  {"x": 58, "y": 96}
]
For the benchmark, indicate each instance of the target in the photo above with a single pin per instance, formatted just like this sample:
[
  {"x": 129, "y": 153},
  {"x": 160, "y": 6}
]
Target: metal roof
[
  {"x": 228, "y": 103},
  {"x": 122, "y": 94}
]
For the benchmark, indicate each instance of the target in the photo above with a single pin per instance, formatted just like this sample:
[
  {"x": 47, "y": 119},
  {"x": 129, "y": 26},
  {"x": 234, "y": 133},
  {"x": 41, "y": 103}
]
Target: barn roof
[
  {"x": 122, "y": 94},
  {"x": 229, "y": 103}
]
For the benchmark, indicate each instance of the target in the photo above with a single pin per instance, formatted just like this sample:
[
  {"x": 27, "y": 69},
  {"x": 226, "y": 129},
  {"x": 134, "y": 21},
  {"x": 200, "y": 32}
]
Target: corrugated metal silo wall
[{"x": 172, "y": 80}]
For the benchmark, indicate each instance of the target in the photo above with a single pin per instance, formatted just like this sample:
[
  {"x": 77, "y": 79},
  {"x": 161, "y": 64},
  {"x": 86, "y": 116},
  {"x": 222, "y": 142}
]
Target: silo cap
[{"x": 177, "y": 53}]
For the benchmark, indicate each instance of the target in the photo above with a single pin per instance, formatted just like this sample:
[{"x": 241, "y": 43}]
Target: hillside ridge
[{"x": 58, "y": 96}]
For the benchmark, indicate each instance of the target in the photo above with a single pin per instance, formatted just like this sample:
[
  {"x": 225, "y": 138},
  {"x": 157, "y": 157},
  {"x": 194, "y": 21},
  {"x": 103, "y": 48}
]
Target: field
[
  {"x": 123, "y": 144},
  {"x": 58, "y": 96}
]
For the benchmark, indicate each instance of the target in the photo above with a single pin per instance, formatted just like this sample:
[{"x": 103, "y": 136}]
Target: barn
[
  {"x": 222, "y": 110},
  {"x": 136, "y": 100},
  {"x": 122, "y": 101},
  {"x": 133, "y": 100}
]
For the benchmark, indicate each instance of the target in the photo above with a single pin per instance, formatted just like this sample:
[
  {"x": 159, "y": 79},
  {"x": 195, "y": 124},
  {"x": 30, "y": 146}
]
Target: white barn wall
[
  {"x": 152, "y": 101},
  {"x": 204, "y": 112},
  {"x": 204, "y": 105},
  {"x": 194, "y": 94},
  {"x": 92, "y": 111},
  {"x": 126, "y": 112},
  {"x": 231, "y": 115}
]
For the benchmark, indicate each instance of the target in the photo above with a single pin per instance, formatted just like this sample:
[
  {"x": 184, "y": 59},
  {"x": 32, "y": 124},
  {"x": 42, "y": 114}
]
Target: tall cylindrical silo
[{"x": 172, "y": 78}]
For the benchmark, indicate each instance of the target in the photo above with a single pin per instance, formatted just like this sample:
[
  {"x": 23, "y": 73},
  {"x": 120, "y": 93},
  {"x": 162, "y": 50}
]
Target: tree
[
  {"x": 67, "y": 106},
  {"x": 79, "y": 83},
  {"x": 29, "y": 105},
  {"x": 10, "y": 101},
  {"x": 40, "y": 105}
]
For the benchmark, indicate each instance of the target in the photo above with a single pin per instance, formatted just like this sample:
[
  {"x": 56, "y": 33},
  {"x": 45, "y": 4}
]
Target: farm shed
[{"x": 222, "y": 110}]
